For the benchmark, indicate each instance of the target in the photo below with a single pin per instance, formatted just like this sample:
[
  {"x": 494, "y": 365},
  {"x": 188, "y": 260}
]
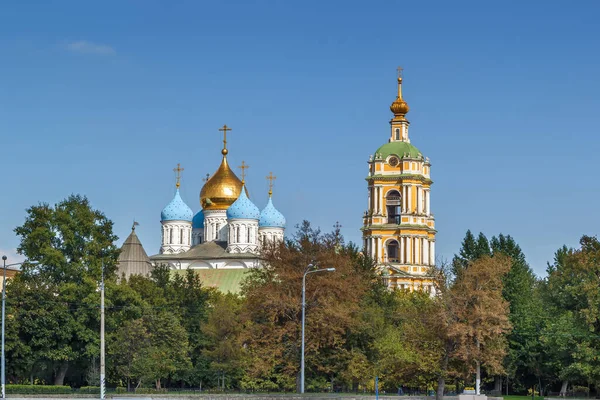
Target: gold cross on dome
[
  {"x": 178, "y": 172},
  {"x": 244, "y": 167},
  {"x": 271, "y": 178},
  {"x": 224, "y": 129}
]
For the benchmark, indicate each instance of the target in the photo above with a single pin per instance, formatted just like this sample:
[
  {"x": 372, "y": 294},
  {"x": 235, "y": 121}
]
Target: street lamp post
[
  {"x": 102, "y": 376},
  {"x": 3, "y": 368},
  {"x": 309, "y": 270}
]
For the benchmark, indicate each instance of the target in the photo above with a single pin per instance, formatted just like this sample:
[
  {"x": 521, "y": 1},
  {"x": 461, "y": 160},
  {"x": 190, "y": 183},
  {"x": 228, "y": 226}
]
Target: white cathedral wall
[
  {"x": 215, "y": 225},
  {"x": 269, "y": 234},
  {"x": 243, "y": 236},
  {"x": 212, "y": 264},
  {"x": 176, "y": 237},
  {"x": 197, "y": 236}
]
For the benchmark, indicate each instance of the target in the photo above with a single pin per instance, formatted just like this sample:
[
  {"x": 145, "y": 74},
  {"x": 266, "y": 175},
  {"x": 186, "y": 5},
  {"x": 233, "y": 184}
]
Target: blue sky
[{"x": 105, "y": 98}]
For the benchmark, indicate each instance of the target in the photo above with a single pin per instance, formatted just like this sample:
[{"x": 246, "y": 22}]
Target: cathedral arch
[
  {"x": 234, "y": 265},
  {"x": 200, "y": 265}
]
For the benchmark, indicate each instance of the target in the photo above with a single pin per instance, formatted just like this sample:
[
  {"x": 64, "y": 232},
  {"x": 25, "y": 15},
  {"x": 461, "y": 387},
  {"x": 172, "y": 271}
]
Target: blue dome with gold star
[
  {"x": 270, "y": 217},
  {"x": 176, "y": 210},
  {"x": 198, "y": 221},
  {"x": 243, "y": 208}
]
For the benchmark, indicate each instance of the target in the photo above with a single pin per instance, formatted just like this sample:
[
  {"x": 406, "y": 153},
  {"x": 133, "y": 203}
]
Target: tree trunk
[
  {"x": 441, "y": 383},
  {"x": 498, "y": 384},
  {"x": 563, "y": 388},
  {"x": 59, "y": 378}
]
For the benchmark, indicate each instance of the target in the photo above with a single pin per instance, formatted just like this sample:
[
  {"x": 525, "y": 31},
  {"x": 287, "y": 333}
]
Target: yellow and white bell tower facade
[{"x": 398, "y": 226}]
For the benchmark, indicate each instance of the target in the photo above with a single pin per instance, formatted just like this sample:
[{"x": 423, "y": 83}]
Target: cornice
[{"x": 399, "y": 176}]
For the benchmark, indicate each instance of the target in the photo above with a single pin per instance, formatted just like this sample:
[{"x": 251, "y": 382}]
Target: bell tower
[{"x": 398, "y": 226}]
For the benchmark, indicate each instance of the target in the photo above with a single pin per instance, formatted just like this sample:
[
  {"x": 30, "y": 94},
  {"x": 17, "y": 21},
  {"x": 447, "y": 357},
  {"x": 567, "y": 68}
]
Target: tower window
[
  {"x": 397, "y": 134},
  {"x": 392, "y": 251},
  {"x": 393, "y": 201}
]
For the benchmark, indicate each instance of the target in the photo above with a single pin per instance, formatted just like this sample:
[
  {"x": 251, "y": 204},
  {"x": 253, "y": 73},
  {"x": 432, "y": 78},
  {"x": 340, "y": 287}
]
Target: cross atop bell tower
[{"x": 399, "y": 124}]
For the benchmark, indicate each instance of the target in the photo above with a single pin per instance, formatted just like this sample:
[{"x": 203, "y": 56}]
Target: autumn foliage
[{"x": 272, "y": 308}]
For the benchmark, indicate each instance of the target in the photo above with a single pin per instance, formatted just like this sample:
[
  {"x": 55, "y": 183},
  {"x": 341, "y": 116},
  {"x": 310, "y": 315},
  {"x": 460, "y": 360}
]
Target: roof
[
  {"x": 205, "y": 251},
  {"x": 176, "y": 210},
  {"x": 198, "y": 220},
  {"x": 243, "y": 208},
  {"x": 400, "y": 149},
  {"x": 225, "y": 280},
  {"x": 133, "y": 259},
  {"x": 271, "y": 217}
]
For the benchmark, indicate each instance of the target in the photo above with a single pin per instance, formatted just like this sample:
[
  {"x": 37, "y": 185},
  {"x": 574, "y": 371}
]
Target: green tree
[
  {"x": 471, "y": 249},
  {"x": 126, "y": 347},
  {"x": 525, "y": 359},
  {"x": 166, "y": 350},
  {"x": 573, "y": 297},
  {"x": 222, "y": 331},
  {"x": 410, "y": 346},
  {"x": 69, "y": 242}
]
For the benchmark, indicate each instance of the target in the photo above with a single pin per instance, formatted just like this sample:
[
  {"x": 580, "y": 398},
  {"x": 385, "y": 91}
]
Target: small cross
[
  {"x": 337, "y": 225},
  {"x": 178, "y": 171},
  {"x": 271, "y": 178},
  {"x": 224, "y": 129},
  {"x": 399, "y": 69},
  {"x": 244, "y": 167},
  {"x": 207, "y": 178}
]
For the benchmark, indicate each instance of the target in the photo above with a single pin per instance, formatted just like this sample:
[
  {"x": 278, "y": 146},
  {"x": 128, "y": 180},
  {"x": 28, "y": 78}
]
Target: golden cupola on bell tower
[
  {"x": 399, "y": 124},
  {"x": 398, "y": 226}
]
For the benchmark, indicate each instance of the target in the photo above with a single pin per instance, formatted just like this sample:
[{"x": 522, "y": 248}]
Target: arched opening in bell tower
[
  {"x": 392, "y": 251},
  {"x": 393, "y": 201}
]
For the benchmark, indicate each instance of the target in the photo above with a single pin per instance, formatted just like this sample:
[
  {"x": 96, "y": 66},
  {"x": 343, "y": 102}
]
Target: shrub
[
  {"x": 89, "y": 390},
  {"x": 150, "y": 391},
  {"x": 38, "y": 389}
]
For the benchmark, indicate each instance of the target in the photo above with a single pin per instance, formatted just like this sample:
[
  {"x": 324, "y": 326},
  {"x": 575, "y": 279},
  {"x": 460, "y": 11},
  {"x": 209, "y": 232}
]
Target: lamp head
[
  {"x": 330, "y": 269},
  {"x": 4, "y": 258}
]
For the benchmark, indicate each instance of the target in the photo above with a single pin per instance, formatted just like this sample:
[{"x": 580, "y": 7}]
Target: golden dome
[
  {"x": 221, "y": 189},
  {"x": 399, "y": 107}
]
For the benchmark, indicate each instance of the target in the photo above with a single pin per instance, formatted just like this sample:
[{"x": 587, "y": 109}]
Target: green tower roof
[{"x": 400, "y": 149}]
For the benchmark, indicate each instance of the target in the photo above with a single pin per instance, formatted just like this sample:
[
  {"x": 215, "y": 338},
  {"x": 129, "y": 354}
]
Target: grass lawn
[{"x": 522, "y": 398}]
